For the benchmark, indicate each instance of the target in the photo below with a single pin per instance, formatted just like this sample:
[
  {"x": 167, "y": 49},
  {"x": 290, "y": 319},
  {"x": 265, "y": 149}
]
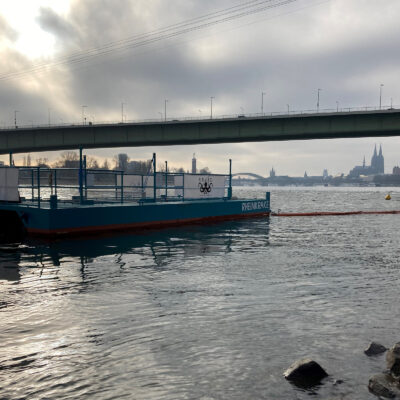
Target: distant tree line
[{"x": 121, "y": 161}]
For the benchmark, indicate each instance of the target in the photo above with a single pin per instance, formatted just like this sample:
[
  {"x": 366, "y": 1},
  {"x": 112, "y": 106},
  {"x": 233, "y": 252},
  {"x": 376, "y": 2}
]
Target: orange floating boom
[{"x": 331, "y": 213}]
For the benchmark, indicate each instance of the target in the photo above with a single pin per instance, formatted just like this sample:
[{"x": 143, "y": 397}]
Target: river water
[{"x": 208, "y": 311}]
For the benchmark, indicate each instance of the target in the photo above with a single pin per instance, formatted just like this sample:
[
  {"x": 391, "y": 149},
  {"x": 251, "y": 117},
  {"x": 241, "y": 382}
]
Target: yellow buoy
[{"x": 388, "y": 197}]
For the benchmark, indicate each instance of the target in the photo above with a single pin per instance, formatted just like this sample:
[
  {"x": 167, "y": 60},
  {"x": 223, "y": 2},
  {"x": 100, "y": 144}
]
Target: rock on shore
[
  {"x": 384, "y": 385},
  {"x": 393, "y": 360},
  {"x": 374, "y": 349},
  {"x": 387, "y": 385},
  {"x": 305, "y": 373}
]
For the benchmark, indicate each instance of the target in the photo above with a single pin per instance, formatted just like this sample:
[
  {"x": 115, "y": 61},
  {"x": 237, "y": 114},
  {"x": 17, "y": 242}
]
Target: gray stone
[
  {"x": 384, "y": 385},
  {"x": 374, "y": 349},
  {"x": 393, "y": 359},
  {"x": 305, "y": 373}
]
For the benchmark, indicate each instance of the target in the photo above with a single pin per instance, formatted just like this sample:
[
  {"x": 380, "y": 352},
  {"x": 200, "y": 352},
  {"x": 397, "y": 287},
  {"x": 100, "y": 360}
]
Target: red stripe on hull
[{"x": 141, "y": 225}]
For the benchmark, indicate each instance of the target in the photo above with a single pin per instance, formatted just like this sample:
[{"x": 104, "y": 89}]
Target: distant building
[
  {"x": 396, "y": 170},
  {"x": 1, "y": 163},
  {"x": 194, "y": 162},
  {"x": 121, "y": 161},
  {"x": 272, "y": 173},
  {"x": 305, "y": 174},
  {"x": 325, "y": 174},
  {"x": 377, "y": 166},
  {"x": 139, "y": 167},
  {"x": 133, "y": 166}
]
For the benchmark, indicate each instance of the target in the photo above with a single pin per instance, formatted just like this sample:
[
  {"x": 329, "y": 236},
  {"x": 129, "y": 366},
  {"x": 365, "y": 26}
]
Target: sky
[{"x": 58, "y": 56}]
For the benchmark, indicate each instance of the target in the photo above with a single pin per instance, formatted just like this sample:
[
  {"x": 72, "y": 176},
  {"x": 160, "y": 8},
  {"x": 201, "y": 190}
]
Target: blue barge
[
  {"x": 116, "y": 201},
  {"x": 70, "y": 219}
]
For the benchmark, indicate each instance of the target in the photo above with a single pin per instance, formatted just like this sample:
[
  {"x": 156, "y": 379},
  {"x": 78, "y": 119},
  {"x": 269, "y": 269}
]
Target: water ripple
[{"x": 203, "y": 312}]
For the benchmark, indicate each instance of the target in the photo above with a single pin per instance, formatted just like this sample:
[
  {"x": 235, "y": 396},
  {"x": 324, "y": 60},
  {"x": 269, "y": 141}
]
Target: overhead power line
[{"x": 195, "y": 24}]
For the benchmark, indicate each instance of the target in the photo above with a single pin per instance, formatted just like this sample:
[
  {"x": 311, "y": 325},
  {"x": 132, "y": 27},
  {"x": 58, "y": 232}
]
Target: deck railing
[{"x": 89, "y": 186}]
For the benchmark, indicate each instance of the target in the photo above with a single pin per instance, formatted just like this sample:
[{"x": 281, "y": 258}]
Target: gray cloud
[
  {"x": 339, "y": 46},
  {"x": 61, "y": 28}
]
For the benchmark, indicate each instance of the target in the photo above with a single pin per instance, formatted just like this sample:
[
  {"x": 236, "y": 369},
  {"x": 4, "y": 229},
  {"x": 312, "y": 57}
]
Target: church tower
[
  {"x": 194, "y": 167},
  {"x": 374, "y": 163},
  {"x": 381, "y": 162}
]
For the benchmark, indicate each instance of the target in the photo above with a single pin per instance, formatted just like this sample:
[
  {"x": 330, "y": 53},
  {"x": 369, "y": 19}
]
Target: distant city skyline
[
  {"x": 194, "y": 160},
  {"x": 301, "y": 56}
]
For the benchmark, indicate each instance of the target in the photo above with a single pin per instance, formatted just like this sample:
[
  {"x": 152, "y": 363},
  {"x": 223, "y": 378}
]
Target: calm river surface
[{"x": 206, "y": 312}]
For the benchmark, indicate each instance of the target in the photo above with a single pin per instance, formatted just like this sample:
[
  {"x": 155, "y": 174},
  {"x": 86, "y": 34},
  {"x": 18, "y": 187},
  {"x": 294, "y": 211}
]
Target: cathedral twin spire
[
  {"x": 378, "y": 161},
  {"x": 377, "y": 165}
]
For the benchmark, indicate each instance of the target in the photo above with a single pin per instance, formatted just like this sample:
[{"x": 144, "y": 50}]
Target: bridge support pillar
[
  {"x": 80, "y": 175},
  {"x": 230, "y": 180},
  {"x": 155, "y": 177}
]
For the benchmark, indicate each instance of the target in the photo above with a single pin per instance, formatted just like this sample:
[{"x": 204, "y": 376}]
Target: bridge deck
[{"x": 229, "y": 130}]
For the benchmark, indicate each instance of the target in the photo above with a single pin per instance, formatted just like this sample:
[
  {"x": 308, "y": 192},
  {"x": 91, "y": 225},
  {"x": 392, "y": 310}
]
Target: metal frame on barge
[{"x": 53, "y": 205}]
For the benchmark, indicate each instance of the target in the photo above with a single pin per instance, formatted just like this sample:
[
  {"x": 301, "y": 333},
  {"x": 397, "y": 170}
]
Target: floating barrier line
[{"x": 332, "y": 213}]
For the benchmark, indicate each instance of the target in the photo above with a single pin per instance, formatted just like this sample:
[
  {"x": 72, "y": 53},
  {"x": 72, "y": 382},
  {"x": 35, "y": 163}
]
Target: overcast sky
[{"x": 347, "y": 48}]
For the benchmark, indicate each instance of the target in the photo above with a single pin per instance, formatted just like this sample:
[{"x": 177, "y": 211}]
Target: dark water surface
[{"x": 205, "y": 312}]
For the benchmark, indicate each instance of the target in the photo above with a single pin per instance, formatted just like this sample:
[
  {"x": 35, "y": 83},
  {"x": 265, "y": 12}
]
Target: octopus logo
[{"x": 205, "y": 187}]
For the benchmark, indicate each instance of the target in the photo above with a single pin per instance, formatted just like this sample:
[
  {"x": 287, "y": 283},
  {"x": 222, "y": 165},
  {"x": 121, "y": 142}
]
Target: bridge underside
[{"x": 233, "y": 130}]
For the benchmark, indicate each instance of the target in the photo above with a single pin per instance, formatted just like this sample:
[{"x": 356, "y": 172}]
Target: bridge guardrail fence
[{"x": 205, "y": 118}]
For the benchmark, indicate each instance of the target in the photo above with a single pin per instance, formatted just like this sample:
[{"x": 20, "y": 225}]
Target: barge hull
[
  {"x": 137, "y": 226},
  {"x": 77, "y": 220}
]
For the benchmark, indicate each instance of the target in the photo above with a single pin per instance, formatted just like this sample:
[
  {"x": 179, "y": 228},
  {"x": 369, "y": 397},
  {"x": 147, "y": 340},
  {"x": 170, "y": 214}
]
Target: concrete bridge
[
  {"x": 248, "y": 175},
  {"x": 330, "y": 125},
  {"x": 248, "y": 178}
]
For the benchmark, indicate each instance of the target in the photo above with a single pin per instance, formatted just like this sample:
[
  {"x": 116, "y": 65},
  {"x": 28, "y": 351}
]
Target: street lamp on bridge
[
  {"x": 262, "y": 102},
  {"x": 83, "y": 115},
  {"x": 319, "y": 90},
  {"x": 380, "y": 95},
  {"x": 165, "y": 109},
  {"x": 15, "y": 119},
  {"x": 211, "y": 98}
]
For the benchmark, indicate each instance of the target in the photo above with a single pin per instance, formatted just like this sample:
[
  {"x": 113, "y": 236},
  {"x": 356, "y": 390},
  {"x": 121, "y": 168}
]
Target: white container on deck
[{"x": 9, "y": 184}]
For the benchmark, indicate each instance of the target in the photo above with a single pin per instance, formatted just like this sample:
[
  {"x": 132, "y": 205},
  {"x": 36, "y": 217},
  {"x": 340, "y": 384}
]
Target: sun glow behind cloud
[{"x": 21, "y": 15}]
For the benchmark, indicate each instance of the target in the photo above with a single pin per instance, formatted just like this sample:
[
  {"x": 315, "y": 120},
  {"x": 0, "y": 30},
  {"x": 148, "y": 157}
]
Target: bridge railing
[{"x": 24, "y": 125}]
